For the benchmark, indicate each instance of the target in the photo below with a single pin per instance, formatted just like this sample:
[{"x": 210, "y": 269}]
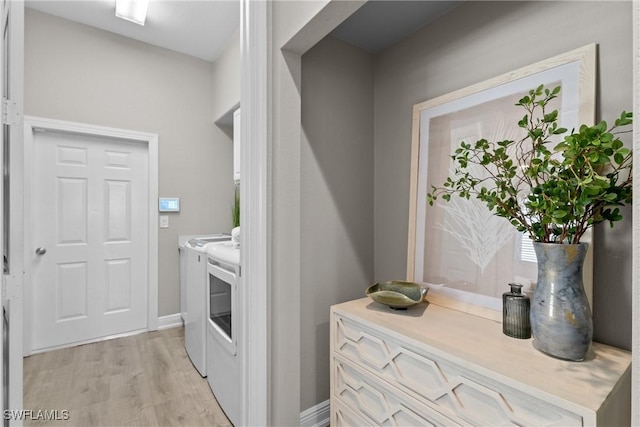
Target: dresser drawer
[
  {"x": 379, "y": 403},
  {"x": 342, "y": 416},
  {"x": 452, "y": 388}
]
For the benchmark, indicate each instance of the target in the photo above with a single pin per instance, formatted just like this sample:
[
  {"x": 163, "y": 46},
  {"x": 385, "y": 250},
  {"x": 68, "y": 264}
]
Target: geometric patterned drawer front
[
  {"x": 452, "y": 390},
  {"x": 342, "y": 416},
  {"x": 378, "y": 403}
]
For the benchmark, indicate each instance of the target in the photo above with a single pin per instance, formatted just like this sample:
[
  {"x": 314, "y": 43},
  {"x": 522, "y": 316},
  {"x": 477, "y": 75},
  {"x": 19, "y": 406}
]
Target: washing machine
[
  {"x": 224, "y": 327},
  {"x": 193, "y": 295}
]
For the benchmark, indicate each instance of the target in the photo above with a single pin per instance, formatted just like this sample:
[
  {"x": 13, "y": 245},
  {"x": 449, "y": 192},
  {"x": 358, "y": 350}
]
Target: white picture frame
[{"x": 465, "y": 255}]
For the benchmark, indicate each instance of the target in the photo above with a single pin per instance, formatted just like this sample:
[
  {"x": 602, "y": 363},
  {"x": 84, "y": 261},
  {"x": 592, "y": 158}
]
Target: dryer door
[{"x": 222, "y": 304}]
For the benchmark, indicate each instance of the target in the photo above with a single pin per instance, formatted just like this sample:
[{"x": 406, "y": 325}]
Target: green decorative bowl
[{"x": 397, "y": 294}]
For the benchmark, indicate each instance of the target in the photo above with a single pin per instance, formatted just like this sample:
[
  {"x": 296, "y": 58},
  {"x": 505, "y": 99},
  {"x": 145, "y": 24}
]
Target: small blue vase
[{"x": 561, "y": 322}]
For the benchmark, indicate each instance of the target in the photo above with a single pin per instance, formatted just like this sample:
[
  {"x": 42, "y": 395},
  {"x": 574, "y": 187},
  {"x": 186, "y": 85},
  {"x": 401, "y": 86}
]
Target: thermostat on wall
[{"x": 169, "y": 204}]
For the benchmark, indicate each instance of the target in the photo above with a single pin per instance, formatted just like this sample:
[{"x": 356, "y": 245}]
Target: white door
[
  {"x": 90, "y": 237},
  {"x": 11, "y": 214}
]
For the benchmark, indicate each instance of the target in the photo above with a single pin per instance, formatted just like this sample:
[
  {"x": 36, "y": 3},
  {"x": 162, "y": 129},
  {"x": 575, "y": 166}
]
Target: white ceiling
[
  {"x": 202, "y": 28},
  {"x": 199, "y": 28}
]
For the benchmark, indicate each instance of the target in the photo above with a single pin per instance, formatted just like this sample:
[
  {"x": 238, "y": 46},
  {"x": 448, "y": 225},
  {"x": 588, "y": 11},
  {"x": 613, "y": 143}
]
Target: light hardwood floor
[{"x": 141, "y": 380}]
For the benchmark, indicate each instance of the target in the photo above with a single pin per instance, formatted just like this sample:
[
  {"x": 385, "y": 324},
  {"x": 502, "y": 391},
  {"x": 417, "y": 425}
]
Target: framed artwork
[{"x": 465, "y": 254}]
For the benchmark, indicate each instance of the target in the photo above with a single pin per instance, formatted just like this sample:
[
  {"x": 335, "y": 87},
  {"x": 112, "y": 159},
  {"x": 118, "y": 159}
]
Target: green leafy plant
[
  {"x": 552, "y": 191},
  {"x": 235, "y": 210}
]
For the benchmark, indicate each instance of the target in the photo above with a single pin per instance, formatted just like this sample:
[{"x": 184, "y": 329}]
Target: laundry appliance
[
  {"x": 224, "y": 344},
  {"x": 193, "y": 295}
]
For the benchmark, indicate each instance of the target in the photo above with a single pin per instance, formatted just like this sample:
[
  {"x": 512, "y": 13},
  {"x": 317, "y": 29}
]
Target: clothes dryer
[
  {"x": 224, "y": 343},
  {"x": 193, "y": 296}
]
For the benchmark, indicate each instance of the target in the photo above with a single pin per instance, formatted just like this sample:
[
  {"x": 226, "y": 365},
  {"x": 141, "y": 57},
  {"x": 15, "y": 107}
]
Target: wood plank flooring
[{"x": 141, "y": 380}]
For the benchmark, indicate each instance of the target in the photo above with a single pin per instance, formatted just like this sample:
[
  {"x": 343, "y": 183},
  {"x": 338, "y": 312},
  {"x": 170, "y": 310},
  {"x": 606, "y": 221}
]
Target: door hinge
[
  {"x": 10, "y": 113},
  {"x": 10, "y": 288}
]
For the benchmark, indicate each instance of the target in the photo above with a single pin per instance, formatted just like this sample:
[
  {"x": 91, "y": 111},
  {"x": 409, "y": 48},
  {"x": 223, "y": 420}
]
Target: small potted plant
[
  {"x": 235, "y": 209},
  {"x": 553, "y": 187},
  {"x": 235, "y": 212}
]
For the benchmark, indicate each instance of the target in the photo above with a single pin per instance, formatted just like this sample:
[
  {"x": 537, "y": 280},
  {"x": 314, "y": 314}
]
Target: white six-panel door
[{"x": 90, "y": 236}]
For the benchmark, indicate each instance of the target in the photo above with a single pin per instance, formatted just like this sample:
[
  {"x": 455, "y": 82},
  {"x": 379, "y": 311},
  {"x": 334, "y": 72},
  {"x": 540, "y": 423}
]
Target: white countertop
[{"x": 224, "y": 252}]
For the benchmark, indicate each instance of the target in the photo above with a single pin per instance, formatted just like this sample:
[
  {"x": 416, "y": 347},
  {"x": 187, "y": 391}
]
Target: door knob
[{"x": 41, "y": 251}]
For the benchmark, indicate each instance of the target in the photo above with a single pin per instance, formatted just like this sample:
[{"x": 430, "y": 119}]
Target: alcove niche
[{"x": 356, "y": 145}]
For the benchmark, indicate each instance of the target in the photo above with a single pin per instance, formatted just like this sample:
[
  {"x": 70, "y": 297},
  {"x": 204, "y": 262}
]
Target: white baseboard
[
  {"x": 89, "y": 341},
  {"x": 164, "y": 322},
  {"x": 316, "y": 416},
  {"x": 170, "y": 321}
]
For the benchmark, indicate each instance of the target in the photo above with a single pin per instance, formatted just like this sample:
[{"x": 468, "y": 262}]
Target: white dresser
[{"x": 432, "y": 365}]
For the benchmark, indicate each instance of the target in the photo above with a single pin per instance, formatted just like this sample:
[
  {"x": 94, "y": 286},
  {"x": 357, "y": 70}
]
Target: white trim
[
  {"x": 169, "y": 321},
  {"x": 90, "y": 341},
  {"x": 32, "y": 124},
  {"x": 13, "y": 300},
  {"x": 164, "y": 322},
  {"x": 316, "y": 416},
  {"x": 254, "y": 164},
  {"x": 635, "y": 316}
]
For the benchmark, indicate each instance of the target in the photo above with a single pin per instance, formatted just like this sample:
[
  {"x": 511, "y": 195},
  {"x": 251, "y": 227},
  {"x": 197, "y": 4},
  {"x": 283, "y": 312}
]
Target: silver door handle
[{"x": 41, "y": 251}]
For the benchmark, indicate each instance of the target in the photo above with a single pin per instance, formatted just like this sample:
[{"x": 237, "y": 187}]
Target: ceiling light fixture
[{"x": 132, "y": 10}]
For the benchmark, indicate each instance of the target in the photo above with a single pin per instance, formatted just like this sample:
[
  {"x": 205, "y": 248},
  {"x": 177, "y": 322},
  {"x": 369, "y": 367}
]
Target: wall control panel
[{"x": 169, "y": 204}]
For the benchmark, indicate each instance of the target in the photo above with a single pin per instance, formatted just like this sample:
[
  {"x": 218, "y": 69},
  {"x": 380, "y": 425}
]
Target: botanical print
[
  {"x": 467, "y": 247},
  {"x": 479, "y": 242}
]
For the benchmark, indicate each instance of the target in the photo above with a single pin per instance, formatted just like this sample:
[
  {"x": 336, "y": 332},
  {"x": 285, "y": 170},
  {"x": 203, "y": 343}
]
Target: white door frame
[
  {"x": 254, "y": 164},
  {"x": 36, "y": 124},
  {"x": 635, "y": 338},
  {"x": 12, "y": 283}
]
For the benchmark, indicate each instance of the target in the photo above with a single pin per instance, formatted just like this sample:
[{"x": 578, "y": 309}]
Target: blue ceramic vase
[{"x": 561, "y": 322}]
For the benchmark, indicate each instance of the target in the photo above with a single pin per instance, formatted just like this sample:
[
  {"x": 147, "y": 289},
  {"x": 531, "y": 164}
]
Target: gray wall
[
  {"x": 336, "y": 202},
  {"x": 477, "y": 41},
  {"x": 226, "y": 74},
  {"x": 78, "y": 73}
]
